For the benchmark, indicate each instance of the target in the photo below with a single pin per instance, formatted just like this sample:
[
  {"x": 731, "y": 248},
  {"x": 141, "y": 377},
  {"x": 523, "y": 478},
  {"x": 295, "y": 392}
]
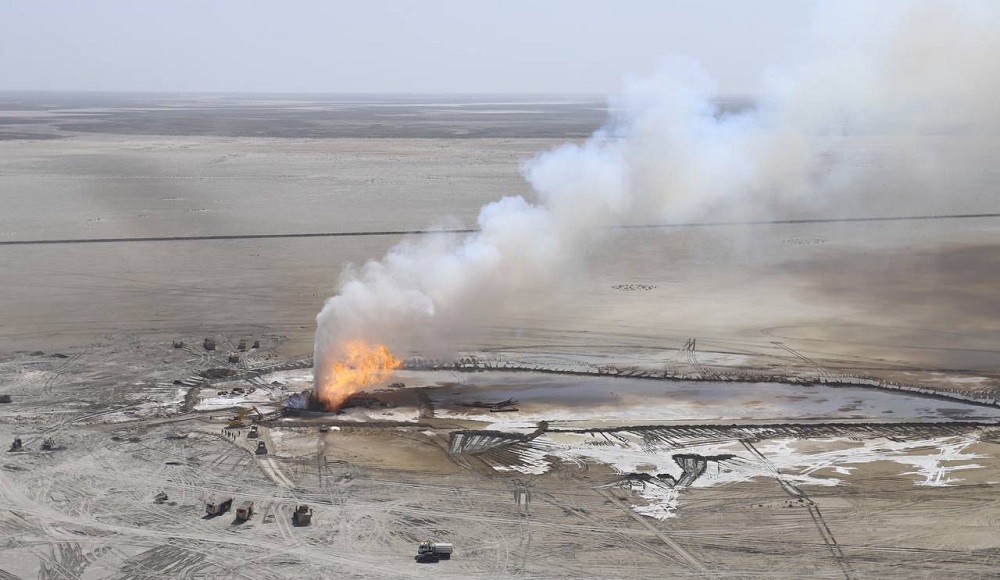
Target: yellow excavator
[{"x": 237, "y": 421}]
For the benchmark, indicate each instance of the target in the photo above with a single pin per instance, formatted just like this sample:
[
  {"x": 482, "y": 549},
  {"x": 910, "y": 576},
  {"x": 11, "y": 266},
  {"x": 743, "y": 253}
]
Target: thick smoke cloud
[{"x": 672, "y": 151}]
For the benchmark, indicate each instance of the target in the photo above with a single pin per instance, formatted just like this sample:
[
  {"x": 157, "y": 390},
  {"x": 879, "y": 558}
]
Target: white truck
[{"x": 428, "y": 552}]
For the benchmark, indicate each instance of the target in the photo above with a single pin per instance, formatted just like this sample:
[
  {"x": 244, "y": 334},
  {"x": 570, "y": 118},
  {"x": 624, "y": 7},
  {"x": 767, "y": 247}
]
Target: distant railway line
[{"x": 224, "y": 237}]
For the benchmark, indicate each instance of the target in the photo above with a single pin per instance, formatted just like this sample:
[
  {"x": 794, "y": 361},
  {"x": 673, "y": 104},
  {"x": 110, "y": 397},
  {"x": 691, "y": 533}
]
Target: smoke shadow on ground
[{"x": 934, "y": 306}]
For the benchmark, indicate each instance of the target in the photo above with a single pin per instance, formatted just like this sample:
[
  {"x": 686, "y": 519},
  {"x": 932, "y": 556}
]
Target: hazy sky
[{"x": 371, "y": 46}]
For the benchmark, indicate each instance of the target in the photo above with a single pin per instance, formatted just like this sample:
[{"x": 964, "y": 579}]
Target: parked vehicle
[
  {"x": 219, "y": 506},
  {"x": 302, "y": 516},
  {"x": 443, "y": 550},
  {"x": 245, "y": 511}
]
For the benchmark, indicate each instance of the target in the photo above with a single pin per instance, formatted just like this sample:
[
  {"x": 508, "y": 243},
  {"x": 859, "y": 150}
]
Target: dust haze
[{"x": 670, "y": 154}]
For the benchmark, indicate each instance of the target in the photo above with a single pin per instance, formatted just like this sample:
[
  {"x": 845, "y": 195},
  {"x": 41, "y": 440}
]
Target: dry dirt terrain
[{"x": 774, "y": 400}]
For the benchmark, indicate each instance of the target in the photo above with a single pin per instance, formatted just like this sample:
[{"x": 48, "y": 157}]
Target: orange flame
[{"x": 361, "y": 366}]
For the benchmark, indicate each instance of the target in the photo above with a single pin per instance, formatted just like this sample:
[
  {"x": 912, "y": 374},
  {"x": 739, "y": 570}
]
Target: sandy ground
[
  {"x": 812, "y": 495},
  {"x": 691, "y": 471}
]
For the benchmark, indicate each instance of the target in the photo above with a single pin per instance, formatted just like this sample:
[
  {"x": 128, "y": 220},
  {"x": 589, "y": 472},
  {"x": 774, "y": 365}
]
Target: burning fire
[{"x": 360, "y": 366}]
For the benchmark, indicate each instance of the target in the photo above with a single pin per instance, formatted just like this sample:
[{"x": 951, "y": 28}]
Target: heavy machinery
[
  {"x": 237, "y": 421},
  {"x": 48, "y": 444},
  {"x": 504, "y": 406},
  {"x": 209, "y": 344},
  {"x": 494, "y": 407},
  {"x": 245, "y": 511},
  {"x": 253, "y": 434},
  {"x": 302, "y": 516},
  {"x": 15, "y": 446},
  {"x": 160, "y": 498},
  {"x": 441, "y": 550},
  {"x": 261, "y": 448},
  {"x": 242, "y": 346},
  {"x": 218, "y": 506}
]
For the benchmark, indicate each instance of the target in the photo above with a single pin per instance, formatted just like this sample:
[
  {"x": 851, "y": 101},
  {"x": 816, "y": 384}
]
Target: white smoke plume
[{"x": 670, "y": 153}]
